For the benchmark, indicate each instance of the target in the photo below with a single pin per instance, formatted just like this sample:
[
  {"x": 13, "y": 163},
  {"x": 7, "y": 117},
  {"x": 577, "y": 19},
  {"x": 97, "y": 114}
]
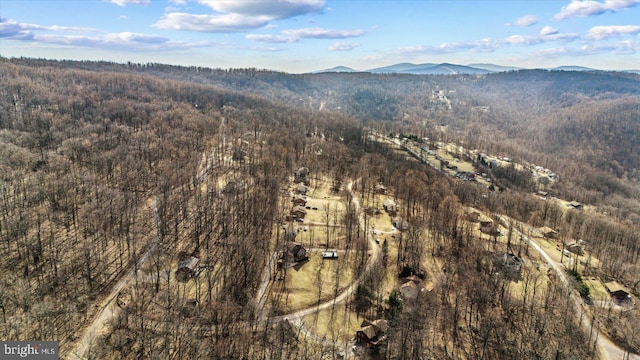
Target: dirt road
[
  {"x": 108, "y": 309},
  {"x": 606, "y": 348}
]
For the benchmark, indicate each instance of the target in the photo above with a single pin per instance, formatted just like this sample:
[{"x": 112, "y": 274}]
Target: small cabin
[
  {"x": 299, "y": 199},
  {"x": 302, "y": 189},
  {"x": 380, "y": 189},
  {"x": 410, "y": 290},
  {"x": 298, "y": 211},
  {"x": 187, "y": 268},
  {"x": 372, "y": 333},
  {"x": 576, "y": 205},
  {"x": 297, "y": 252},
  {"x": 400, "y": 223},
  {"x": 618, "y": 293},
  {"x": 390, "y": 206},
  {"x": 473, "y": 216},
  {"x": 548, "y": 232}
]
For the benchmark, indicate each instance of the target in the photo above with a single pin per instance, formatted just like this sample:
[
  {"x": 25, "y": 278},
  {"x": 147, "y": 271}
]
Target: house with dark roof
[
  {"x": 299, "y": 199},
  {"x": 380, "y": 189},
  {"x": 298, "y": 211},
  {"x": 511, "y": 262},
  {"x": 548, "y": 232},
  {"x": 300, "y": 175},
  {"x": 574, "y": 247},
  {"x": 473, "y": 215},
  {"x": 372, "y": 333},
  {"x": 400, "y": 223},
  {"x": 488, "y": 227},
  {"x": 296, "y": 252},
  {"x": 576, "y": 205},
  {"x": 618, "y": 293},
  {"x": 187, "y": 268}
]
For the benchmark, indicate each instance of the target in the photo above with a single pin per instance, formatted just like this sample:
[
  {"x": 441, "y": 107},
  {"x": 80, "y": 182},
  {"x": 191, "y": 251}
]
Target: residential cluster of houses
[
  {"x": 572, "y": 246},
  {"x": 618, "y": 293},
  {"x": 294, "y": 253},
  {"x": 544, "y": 171},
  {"x": 485, "y": 160},
  {"x": 487, "y": 226}
]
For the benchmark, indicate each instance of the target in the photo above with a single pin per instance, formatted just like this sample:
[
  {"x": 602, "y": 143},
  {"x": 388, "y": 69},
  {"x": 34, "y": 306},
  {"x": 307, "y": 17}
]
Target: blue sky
[{"x": 307, "y": 35}]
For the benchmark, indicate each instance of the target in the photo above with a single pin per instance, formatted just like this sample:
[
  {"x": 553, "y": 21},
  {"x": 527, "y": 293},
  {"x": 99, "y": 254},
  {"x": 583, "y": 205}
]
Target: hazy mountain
[
  {"x": 429, "y": 69},
  {"x": 572, "y": 68},
  {"x": 336, "y": 69},
  {"x": 452, "y": 69},
  {"x": 493, "y": 67},
  {"x": 400, "y": 68},
  {"x": 447, "y": 69}
]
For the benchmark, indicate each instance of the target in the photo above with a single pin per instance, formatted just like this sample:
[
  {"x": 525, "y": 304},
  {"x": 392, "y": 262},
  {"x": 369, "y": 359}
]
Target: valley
[{"x": 154, "y": 211}]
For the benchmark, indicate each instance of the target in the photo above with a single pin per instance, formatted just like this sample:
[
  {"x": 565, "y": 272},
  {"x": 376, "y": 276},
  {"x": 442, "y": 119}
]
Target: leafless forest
[{"x": 111, "y": 176}]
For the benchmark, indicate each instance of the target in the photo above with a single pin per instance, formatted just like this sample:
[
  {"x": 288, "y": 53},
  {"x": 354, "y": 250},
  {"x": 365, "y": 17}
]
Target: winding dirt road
[
  {"x": 295, "y": 318},
  {"x": 606, "y": 348},
  {"x": 108, "y": 308}
]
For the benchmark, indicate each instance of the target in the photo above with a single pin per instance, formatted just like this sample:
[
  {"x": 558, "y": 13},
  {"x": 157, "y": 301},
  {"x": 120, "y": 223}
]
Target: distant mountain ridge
[{"x": 451, "y": 69}]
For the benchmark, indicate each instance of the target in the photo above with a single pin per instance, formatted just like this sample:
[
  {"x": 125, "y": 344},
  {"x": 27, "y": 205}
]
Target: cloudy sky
[{"x": 307, "y": 35}]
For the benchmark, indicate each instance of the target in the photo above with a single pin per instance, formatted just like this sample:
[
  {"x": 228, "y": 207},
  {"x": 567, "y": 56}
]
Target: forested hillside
[{"x": 113, "y": 177}]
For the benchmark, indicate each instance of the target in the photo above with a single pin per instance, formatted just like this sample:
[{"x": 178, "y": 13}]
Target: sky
[{"x": 299, "y": 36}]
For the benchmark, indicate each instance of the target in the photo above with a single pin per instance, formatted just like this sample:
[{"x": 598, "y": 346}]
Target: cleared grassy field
[
  {"x": 314, "y": 281},
  {"x": 337, "y": 324}
]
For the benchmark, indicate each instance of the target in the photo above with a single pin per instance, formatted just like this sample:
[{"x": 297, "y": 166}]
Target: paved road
[{"x": 606, "y": 348}]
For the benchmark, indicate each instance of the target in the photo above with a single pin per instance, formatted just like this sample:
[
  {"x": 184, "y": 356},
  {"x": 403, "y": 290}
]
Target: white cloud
[
  {"x": 238, "y": 16},
  {"x": 605, "y": 32},
  {"x": 210, "y": 23},
  {"x": 627, "y": 47},
  {"x": 585, "y": 8},
  {"x": 274, "y": 9},
  {"x": 523, "y": 40},
  {"x": 548, "y": 30},
  {"x": 178, "y": 2},
  {"x": 10, "y": 28},
  {"x": 561, "y": 36},
  {"x": 60, "y": 35},
  {"x": 480, "y": 46},
  {"x": 527, "y": 20},
  {"x": 320, "y": 33},
  {"x": 273, "y": 39},
  {"x": 488, "y": 45},
  {"x": 130, "y": 2},
  {"x": 343, "y": 46},
  {"x": 295, "y": 35}
]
